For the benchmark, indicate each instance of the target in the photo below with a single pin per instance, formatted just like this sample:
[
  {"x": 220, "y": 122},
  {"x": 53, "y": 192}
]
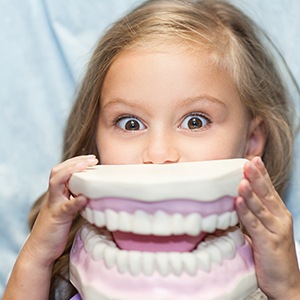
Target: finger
[
  {"x": 249, "y": 220},
  {"x": 262, "y": 186},
  {"x": 256, "y": 206},
  {"x": 74, "y": 205},
  {"x": 61, "y": 174},
  {"x": 70, "y": 162}
]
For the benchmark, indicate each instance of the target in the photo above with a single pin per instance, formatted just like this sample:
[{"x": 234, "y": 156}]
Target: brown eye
[
  {"x": 194, "y": 122},
  {"x": 130, "y": 124}
]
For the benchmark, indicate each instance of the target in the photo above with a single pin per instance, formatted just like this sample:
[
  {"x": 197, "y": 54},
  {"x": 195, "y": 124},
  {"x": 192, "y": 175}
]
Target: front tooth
[
  {"x": 135, "y": 258},
  {"x": 125, "y": 223},
  {"x": 141, "y": 223},
  {"x": 161, "y": 259},
  {"x": 189, "y": 263},
  {"x": 209, "y": 223},
  {"x": 111, "y": 220},
  {"x": 122, "y": 261},
  {"x": 203, "y": 260},
  {"x": 177, "y": 222},
  {"x": 99, "y": 218},
  {"x": 148, "y": 263},
  {"x": 161, "y": 224},
  {"x": 175, "y": 262},
  {"x": 224, "y": 221},
  {"x": 192, "y": 224}
]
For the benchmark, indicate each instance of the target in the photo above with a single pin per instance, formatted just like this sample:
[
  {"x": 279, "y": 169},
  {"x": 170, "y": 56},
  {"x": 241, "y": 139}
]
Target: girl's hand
[
  {"x": 270, "y": 228},
  {"x": 31, "y": 275},
  {"x": 50, "y": 232}
]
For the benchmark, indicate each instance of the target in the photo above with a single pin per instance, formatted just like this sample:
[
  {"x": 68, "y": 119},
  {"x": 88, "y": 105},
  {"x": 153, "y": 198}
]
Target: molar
[{"x": 224, "y": 220}]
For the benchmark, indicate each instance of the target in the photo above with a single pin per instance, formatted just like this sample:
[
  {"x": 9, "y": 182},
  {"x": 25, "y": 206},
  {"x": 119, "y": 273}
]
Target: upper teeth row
[
  {"x": 212, "y": 251},
  {"x": 160, "y": 223}
]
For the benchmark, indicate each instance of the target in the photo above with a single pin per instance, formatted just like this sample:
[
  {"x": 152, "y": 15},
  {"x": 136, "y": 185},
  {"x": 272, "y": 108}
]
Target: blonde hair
[{"x": 235, "y": 44}]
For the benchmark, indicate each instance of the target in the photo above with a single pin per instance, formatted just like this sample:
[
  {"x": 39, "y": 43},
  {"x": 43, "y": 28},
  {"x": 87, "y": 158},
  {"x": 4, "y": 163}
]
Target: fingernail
[
  {"x": 91, "y": 158},
  {"x": 259, "y": 162}
]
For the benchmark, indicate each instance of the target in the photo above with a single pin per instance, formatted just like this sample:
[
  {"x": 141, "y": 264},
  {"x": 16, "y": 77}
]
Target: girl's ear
[{"x": 256, "y": 138}]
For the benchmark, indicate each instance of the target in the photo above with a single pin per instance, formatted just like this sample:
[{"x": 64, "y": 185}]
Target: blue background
[{"x": 44, "y": 48}]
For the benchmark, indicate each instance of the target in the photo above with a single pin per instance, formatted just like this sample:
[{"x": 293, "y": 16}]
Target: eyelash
[
  {"x": 117, "y": 120},
  {"x": 196, "y": 114}
]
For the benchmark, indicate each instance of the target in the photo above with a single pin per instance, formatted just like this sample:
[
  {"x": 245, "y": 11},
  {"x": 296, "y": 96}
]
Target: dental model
[{"x": 161, "y": 232}]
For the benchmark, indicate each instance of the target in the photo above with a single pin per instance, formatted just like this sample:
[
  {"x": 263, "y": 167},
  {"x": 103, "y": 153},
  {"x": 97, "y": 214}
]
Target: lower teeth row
[{"x": 212, "y": 251}]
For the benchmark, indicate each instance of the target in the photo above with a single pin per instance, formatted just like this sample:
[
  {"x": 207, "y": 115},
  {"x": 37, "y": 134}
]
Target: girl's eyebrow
[
  {"x": 202, "y": 98},
  {"x": 121, "y": 101}
]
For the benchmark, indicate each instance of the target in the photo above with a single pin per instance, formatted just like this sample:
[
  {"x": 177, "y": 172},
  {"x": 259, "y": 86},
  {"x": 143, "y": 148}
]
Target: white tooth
[
  {"x": 237, "y": 236},
  {"x": 84, "y": 232},
  {"x": 203, "y": 260},
  {"x": 224, "y": 220},
  {"x": 175, "y": 262},
  {"x": 122, "y": 261},
  {"x": 161, "y": 223},
  {"x": 141, "y": 223},
  {"x": 209, "y": 223},
  {"x": 135, "y": 258},
  {"x": 227, "y": 247},
  {"x": 234, "y": 219},
  {"x": 83, "y": 212},
  {"x": 91, "y": 240},
  {"x": 189, "y": 263},
  {"x": 161, "y": 259},
  {"x": 215, "y": 254},
  {"x": 99, "y": 218},
  {"x": 148, "y": 263},
  {"x": 125, "y": 221},
  {"x": 177, "y": 221},
  {"x": 110, "y": 257},
  {"x": 192, "y": 224},
  {"x": 111, "y": 220},
  {"x": 98, "y": 251},
  {"x": 91, "y": 233},
  {"x": 89, "y": 215}
]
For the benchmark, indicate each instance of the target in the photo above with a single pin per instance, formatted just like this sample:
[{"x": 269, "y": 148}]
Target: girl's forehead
[{"x": 167, "y": 74}]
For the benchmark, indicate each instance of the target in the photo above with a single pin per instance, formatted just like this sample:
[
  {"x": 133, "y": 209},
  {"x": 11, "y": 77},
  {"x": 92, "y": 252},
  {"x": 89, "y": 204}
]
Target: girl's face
[{"x": 172, "y": 106}]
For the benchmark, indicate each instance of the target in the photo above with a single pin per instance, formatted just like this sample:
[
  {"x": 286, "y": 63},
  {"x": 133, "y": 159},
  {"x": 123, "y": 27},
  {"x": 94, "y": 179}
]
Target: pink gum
[{"x": 182, "y": 206}]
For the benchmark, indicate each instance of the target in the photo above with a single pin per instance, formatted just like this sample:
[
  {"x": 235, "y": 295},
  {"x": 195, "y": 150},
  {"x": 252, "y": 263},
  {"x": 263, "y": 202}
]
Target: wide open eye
[
  {"x": 130, "y": 124},
  {"x": 194, "y": 122}
]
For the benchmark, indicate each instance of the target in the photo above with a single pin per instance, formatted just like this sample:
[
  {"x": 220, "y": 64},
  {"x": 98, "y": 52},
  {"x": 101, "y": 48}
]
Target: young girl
[{"x": 174, "y": 81}]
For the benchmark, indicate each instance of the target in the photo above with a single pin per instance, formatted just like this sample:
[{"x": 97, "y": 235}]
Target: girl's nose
[{"x": 160, "y": 150}]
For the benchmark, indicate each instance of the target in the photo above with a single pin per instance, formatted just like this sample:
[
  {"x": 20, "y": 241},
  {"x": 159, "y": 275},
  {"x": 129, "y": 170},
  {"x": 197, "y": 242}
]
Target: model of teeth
[{"x": 161, "y": 232}]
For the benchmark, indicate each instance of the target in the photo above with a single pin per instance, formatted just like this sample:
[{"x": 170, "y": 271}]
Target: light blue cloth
[{"x": 44, "y": 48}]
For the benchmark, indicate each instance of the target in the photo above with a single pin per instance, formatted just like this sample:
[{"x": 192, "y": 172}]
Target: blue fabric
[
  {"x": 76, "y": 297},
  {"x": 44, "y": 48}
]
